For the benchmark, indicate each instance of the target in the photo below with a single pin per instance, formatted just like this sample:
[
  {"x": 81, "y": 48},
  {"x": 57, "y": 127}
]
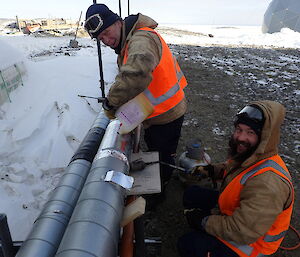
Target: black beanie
[
  {"x": 107, "y": 16},
  {"x": 256, "y": 126}
]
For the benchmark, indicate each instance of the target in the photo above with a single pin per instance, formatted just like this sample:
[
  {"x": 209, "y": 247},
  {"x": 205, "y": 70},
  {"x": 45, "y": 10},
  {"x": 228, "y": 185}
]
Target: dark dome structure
[{"x": 282, "y": 14}]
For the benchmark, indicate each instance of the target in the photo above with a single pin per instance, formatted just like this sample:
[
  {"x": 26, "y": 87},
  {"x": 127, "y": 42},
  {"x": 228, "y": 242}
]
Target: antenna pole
[
  {"x": 120, "y": 10},
  {"x": 100, "y": 63}
]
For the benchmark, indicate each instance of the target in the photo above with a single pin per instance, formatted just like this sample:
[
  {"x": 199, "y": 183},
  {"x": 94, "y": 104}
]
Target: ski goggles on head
[
  {"x": 253, "y": 113},
  {"x": 93, "y": 24}
]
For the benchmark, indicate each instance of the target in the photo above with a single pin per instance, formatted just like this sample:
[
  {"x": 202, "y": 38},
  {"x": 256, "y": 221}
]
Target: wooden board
[{"x": 146, "y": 181}]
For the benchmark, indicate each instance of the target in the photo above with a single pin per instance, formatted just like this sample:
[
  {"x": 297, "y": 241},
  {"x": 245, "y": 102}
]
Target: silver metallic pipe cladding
[
  {"x": 111, "y": 135},
  {"x": 94, "y": 228},
  {"x": 49, "y": 227}
]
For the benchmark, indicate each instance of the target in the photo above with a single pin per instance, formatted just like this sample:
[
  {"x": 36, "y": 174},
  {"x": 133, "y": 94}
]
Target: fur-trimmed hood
[{"x": 270, "y": 136}]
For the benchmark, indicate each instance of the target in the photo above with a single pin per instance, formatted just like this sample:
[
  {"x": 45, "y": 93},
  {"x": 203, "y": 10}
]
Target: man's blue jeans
[{"x": 199, "y": 243}]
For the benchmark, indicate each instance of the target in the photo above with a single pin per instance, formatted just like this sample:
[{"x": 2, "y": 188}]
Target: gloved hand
[
  {"x": 110, "y": 114},
  {"x": 203, "y": 171},
  {"x": 108, "y": 109},
  {"x": 195, "y": 217}
]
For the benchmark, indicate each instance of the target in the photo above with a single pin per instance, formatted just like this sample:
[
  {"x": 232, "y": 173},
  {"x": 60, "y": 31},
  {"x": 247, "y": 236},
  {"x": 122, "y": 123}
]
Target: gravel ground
[{"x": 221, "y": 81}]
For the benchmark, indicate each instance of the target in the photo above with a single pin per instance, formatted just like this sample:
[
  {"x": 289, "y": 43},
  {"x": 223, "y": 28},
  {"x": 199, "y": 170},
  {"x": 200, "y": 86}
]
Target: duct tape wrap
[
  {"x": 90, "y": 144},
  {"x": 119, "y": 178},
  {"x": 114, "y": 154}
]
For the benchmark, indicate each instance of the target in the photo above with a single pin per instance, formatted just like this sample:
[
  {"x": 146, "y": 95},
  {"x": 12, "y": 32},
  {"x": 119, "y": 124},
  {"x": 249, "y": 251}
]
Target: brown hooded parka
[
  {"x": 263, "y": 196},
  {"x": 144, "y": 54}
]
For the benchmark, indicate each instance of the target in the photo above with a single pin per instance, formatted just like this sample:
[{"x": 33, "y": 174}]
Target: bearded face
[{"x": 242, "y": 143}]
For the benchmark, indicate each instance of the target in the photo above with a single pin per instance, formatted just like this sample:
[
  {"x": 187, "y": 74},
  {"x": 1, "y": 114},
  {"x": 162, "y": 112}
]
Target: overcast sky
[{"x": 212, "y": 12}]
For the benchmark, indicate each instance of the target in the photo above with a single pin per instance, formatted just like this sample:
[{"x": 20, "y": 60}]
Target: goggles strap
[
  {"x": 93, "y": 23},
  {"x": 252, "y": 112}
]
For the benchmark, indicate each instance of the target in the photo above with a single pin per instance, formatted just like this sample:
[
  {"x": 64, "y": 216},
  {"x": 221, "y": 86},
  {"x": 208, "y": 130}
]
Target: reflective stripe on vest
[
  {"x": 269, "y": 238},
  {"x": 268, "y": 163},
  {"x": 246, "y": 249},
  {"x": 166, "y": 89},
  {"x": 229, "y": 201},
  {"x": 171, "y": 92}
]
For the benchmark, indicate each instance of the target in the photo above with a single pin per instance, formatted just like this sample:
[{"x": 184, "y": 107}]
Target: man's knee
[
  {"x": 183, "y": 246},
  {"x": 199, "y": 197}
]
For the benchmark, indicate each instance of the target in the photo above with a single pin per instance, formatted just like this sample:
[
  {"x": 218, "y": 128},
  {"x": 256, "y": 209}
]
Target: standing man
[
  {"x": 147, "y": 65},
  {"x": 256, "y": 196}
]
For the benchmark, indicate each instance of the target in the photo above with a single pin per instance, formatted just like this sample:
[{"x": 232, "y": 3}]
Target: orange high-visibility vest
[
  {"x": 166, "y": 88},
  {"x": 229, "y": 200}
]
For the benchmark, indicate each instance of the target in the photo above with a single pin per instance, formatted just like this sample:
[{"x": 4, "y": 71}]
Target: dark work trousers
[
  {"x": 164, "y": 139},
  {"x": 199, "y": 243}
]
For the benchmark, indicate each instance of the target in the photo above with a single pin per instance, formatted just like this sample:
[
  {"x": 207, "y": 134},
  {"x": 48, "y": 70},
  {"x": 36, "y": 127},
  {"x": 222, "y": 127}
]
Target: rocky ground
[{"x": 221, "y": 81}]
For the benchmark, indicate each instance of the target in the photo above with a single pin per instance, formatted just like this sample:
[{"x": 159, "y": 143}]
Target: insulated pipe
[
  {"x": 5, "y": 238},
  {"x": 51, "y": 224},
  {"x": 94, "y": 228},
  {"x": 90, "y": 144}
]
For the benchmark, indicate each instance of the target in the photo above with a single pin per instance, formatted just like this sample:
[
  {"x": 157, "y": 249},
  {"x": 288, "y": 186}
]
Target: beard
[{"x": 240, "y": 157}]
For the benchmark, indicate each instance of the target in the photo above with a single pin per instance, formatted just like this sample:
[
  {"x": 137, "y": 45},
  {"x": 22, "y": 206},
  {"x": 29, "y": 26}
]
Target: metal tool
[
  {"x": 99, "y": 99},
  {"x": 139, "y": 164}
]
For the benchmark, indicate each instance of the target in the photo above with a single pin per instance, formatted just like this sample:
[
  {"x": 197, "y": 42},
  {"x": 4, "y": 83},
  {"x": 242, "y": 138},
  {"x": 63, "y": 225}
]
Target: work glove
[
  {"x": 110, "y": 114},
  {"x": 203, "y": 171},
  {"x": 108, "y": 109},
  {"x": 196, "y": 218}
]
